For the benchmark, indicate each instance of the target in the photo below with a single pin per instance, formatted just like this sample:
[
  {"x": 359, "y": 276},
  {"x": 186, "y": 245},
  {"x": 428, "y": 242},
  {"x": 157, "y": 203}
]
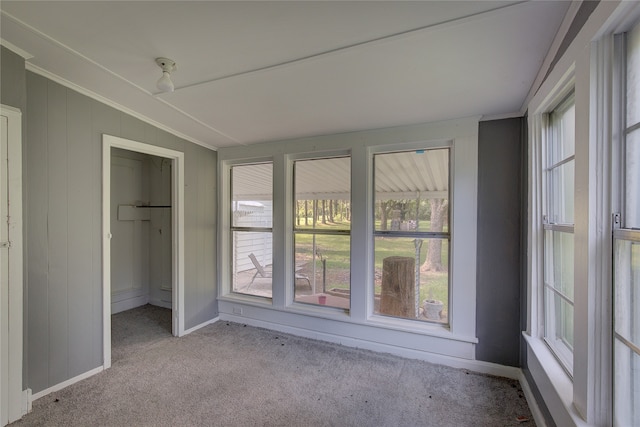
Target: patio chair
[{"x": 265, "y": 272}]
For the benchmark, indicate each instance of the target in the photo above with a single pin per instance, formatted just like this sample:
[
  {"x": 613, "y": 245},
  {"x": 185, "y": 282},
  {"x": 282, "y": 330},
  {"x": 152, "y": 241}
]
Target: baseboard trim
[
  {"x": 454, "y": 362},
  {"x": 66, "y": 383},
  {"x": 538, "y": 417},
  {"x": 128, "y": 304},
  {"x": 201, "y": 325},
  {"x": 161, "y": 303}
]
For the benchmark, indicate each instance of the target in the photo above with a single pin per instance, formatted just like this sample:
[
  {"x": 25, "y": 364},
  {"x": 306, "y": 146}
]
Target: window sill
[{"x": 553, "y": 382}]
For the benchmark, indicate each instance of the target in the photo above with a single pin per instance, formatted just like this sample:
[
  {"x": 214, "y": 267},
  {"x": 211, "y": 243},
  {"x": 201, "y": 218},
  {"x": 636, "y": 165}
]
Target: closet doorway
[{"x": 143, "y": 250}]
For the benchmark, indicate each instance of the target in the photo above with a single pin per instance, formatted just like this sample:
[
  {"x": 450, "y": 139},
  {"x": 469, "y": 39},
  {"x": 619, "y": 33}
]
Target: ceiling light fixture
[{"x": 168, "y": 65}]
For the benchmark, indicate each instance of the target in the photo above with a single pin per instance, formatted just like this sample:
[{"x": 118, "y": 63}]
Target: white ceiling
[{"x": 251, "y": 72}]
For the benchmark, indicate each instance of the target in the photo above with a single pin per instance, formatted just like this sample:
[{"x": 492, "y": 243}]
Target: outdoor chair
[{"x": 265, "y": 272}]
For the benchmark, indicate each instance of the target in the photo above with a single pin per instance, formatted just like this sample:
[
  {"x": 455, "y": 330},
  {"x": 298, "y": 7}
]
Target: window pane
[
  {"x": 632, "y": 180},
  {"x": 396, "y": 277},
  {"x": 252, "y": 195},
  {"x": 627, "y": 290},
  {"x": 559, "y": 326},
  {"x": 412, "y": 191},
  {"x": 324, "y": 278},
  {"x": 562, "y": 144},
  {"x": 323, "y": 194},
  {"x": 633, "y": 76},
  {"x": 252, "y": 259},
  {"x": 561, "y": 191},
  {"x": 558, "y": 263},
  {"x": 627, "y": 386}
]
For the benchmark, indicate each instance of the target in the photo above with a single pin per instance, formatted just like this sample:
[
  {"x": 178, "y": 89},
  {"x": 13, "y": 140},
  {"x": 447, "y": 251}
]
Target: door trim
[
  {"x": 177, "y": 220},
  {"x": 16, "y": 407}
]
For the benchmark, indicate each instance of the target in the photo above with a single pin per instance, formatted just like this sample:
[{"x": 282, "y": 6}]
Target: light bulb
[{"x": 164, "y": 83}]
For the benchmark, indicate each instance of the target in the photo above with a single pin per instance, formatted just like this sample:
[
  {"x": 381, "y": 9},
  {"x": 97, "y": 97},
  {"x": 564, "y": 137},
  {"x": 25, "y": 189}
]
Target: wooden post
[{"x": 398, "y": 286}]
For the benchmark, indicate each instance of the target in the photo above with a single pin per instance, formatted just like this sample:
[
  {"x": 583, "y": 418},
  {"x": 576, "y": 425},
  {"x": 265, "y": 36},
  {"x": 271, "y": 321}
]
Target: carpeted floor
[{"x": 228, "y": 374}]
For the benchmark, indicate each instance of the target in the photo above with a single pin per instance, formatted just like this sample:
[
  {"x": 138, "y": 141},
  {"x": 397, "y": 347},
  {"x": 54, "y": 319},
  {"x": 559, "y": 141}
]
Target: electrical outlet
[{"x": 237, "y": 310}]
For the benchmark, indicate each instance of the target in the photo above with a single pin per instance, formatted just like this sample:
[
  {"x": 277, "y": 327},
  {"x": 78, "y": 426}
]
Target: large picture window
[
  {"x": 322, "y": 224},
  {"x": 558, "y": 223},
  {"x": 251, "y": 228},
  {"x": 412, "y": 235}
]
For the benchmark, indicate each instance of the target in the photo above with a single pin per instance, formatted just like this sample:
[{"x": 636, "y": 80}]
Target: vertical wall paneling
[
  {"x": 57, "y": 228},
  {"x": 104, "y": 119},
  {"x": 80, "y": 239},
  {"x": 63, "y": 181},
  {"x": 191, "y": 295},
  {"x": 37, "y": 256}
]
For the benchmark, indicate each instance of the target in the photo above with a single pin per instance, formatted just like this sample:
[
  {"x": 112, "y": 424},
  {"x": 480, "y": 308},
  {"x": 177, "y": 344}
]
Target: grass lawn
[{"x": 335, "y": 249}]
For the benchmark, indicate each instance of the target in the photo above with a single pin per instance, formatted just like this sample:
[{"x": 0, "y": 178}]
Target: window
[
  {"x": 411, "y": 235},
  {"x": 558, "y": 224},
  {"x": 627, "y": 245},
  {"x": 322, "y": 223},
  {"x": 251, "y": 228}
]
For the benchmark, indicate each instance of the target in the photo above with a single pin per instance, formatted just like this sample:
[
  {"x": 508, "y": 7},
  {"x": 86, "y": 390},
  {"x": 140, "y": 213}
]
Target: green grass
[{"x": 336, "y": 250}]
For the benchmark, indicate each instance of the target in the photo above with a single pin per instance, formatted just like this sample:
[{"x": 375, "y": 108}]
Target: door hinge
[{"x": 5, "y": 245}]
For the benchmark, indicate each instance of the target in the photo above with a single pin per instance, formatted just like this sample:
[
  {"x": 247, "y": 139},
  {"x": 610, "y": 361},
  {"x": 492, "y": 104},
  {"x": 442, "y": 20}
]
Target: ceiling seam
[{"x": 354, "y": 46}]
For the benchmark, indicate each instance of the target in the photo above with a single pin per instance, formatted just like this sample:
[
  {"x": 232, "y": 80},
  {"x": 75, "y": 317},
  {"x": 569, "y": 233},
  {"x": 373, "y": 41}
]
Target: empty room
[{"x": 311, "y": 213}]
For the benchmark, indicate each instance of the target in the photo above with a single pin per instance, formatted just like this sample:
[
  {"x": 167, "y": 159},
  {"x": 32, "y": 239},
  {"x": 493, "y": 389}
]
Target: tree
[
  {"x": 384, "y": 214},
  {"x": 439, "y": 210},
  {"x": 324, "y": 211},
  {"x": 306, "y": 212}
]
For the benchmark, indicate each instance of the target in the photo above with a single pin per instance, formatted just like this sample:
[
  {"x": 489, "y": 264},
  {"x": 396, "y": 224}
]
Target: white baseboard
[
  {"x": 161, "y": 303},
  {"x": 128, "y": 304},
  {"x": 454, "y": 362},
  {"x": 532, "y": 401},
  {"x": 26, "y": 401},
  {"x": 66, "y": 383},
  {"x": 201, "y": 325}
]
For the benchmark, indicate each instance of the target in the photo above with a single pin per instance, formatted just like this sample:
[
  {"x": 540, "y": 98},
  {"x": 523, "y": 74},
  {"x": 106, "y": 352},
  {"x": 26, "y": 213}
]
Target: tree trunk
[
  {"x": 306, "y": 212},
  {"x": 398, "y": 286},
  {"x": 324, "y": 211},
  {"x": 298, "y": 212},
  {"x": 331, "y": 211},
  {"x": 439, "y": 209},
  {"x": 383, "y": 216}
]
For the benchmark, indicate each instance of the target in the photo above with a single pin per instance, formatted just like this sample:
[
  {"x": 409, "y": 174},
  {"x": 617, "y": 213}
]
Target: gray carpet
[{"x": 228, "y": 374}]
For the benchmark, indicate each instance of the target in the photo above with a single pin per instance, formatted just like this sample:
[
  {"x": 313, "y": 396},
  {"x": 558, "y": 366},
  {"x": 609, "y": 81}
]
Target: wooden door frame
[
  {"x": 17, "y": 403},
  {"x": 177, "y": 221}
]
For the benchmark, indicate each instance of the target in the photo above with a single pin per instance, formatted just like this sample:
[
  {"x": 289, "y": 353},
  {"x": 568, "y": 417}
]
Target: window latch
[{"x": 616, "y": 220}]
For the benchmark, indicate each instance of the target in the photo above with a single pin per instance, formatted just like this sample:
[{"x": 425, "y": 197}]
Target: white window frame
[
  {"x": 444, "y": 235},
  {"x": 296, "y": 230},
  {"x": 621, "y": 229},
  {"x": 561, "y": 350},
  {"x": 226, "y": 230}
]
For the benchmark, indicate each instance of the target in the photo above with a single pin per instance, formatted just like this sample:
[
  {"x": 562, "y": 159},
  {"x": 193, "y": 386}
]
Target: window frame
[
  {"x": 227, "y": 221},
  {"x": 418, "y": 234},
  {"x": 550, "y": 198},
  {"x": 295, "y": 230},
  {"x": 622, "y": 230}
]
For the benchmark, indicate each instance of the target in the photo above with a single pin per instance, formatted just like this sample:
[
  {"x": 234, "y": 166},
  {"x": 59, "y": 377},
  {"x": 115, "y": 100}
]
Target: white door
[{"x": 11, "y": 407}]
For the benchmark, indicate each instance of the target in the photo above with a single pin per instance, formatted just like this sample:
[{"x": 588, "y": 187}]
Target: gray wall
[
  {"x": 63, "y": 151},
  {"x": 499, "y": 234},
  {"x": 12, "y": 79}
]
